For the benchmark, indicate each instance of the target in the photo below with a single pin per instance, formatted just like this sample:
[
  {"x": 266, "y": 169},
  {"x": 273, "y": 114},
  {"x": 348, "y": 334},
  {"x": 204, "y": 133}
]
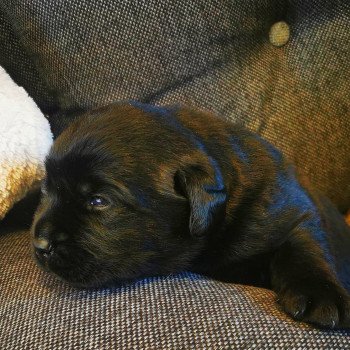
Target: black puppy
[{"x": 134, "y": 190}]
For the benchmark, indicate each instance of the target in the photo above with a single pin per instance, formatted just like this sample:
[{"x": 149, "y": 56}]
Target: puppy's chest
[{"x": 251, "y": 271}]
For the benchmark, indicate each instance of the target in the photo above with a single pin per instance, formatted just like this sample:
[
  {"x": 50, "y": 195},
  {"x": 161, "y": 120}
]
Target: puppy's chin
[
  {"x": 79, "y": 275},
  {"x": 88, "y": 275},
  {"x": 84, "y": 273},
  {"x": 81, "y": 278}
]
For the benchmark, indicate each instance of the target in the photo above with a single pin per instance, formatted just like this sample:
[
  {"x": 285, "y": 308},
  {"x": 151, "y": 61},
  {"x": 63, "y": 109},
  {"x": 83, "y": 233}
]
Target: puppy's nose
[{"x": 42, "y": 244}]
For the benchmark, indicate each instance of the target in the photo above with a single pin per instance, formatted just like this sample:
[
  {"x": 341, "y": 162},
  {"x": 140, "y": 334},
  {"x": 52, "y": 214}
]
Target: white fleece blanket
[{"x": 25, "y": 139}]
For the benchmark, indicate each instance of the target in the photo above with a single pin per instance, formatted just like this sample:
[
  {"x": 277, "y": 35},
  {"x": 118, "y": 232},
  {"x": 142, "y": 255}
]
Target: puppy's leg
[{"x": 305, "y": 284}]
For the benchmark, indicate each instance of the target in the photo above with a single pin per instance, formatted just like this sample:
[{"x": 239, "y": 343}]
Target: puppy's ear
[{"x": 206, "y": 195}]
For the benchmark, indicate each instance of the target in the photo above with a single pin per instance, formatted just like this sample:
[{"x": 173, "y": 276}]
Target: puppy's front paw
[{"x": 327, "y": 307}]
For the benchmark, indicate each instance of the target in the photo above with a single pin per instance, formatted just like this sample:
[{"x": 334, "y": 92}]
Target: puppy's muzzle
[
  {"x": 44, "y": 240},
  {"x": 42, "y": 245}
]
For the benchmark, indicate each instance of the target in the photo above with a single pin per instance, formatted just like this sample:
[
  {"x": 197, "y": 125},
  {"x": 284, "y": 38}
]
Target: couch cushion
[
  {"x": 216, "y": 55},
  {"x": 184, "y": 311}
]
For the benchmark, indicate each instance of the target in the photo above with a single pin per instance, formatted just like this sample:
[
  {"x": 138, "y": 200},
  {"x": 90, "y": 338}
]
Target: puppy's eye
[{"x": 98, "y": 202}]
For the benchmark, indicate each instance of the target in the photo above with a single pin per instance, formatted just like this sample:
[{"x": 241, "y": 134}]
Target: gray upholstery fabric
[
  {"x": 212, "y": 54},
  {"x": 185, "y": 311}
]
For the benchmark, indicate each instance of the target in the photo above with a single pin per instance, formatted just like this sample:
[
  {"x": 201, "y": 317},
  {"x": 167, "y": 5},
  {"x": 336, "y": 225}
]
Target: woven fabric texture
[
  {"x": 185, "y": 311},
  {"x": 217, "y": 55}
]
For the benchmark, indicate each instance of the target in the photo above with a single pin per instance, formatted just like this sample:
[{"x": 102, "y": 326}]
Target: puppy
[{"x": 134, "y": 190}]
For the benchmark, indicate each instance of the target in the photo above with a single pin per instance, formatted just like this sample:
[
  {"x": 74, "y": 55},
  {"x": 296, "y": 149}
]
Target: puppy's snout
[
  {"x": 42, "y": 244},
  {"x": 45, "y": 238}
]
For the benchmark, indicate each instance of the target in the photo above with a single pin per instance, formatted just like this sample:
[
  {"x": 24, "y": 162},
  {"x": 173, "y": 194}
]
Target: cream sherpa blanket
[{"x": 25, "y": 139}]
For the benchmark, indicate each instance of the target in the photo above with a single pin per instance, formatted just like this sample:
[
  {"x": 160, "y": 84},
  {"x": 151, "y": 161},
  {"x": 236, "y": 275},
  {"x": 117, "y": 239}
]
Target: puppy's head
[{"x": 125, "y": 196}]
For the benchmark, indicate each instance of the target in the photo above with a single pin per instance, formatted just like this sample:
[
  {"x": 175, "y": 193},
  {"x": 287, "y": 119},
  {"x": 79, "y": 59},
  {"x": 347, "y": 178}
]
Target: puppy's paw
[{"x": 328, "y": 308}]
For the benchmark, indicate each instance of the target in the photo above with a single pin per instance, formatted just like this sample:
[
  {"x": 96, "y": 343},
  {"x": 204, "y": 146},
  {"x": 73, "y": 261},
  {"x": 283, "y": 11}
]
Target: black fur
[{"x": 187, "y": 190}]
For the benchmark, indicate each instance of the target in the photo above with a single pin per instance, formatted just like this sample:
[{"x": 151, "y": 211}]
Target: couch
[{"x": 280, "y": 67}]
